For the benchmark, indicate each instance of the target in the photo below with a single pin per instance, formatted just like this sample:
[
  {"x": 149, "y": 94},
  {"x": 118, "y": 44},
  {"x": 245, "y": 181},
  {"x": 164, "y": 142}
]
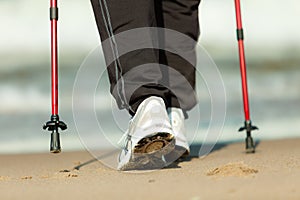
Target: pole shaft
[
  {"x": 242, "y": 62},
  {"x": 238, "y": 14},
  {"x": 54, "y": 62}
]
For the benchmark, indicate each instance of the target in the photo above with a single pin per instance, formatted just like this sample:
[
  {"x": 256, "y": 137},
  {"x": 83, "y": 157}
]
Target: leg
[
  {"x": 122, "y": 16},
  {"x": 181, "y": 16},
  {"x": 151, "y": 128}
]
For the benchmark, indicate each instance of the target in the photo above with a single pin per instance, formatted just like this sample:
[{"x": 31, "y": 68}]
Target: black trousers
[{"x": 145, "y": 71}]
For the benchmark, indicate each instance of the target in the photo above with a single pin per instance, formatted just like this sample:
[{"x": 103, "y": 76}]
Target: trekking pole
[
  {"x": 54, "y": 124},
  {"x": 250, "y": 148}
]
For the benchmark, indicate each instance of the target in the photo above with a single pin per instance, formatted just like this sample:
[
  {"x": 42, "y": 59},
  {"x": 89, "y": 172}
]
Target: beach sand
[{"x": 273, "y": 172}]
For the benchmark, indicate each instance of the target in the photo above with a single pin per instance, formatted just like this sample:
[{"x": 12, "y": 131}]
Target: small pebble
[
  {"x": 26, "y": 177},
  {"x": 72, "y": 175}
]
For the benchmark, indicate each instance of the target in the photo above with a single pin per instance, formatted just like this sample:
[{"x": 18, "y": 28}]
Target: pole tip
[
  {"x": 250, "y": 147},
  {"x": 55, "y": 143}
]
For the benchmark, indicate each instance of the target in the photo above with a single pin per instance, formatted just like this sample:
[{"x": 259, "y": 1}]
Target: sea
[{"x": 272, "y": 51}]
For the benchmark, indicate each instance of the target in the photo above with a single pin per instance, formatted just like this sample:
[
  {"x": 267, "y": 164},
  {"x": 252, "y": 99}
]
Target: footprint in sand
[
  {"x": 238, "y": 169},
  {"x": 61, "y": 174},
  {"x": 67, "y": 174}
]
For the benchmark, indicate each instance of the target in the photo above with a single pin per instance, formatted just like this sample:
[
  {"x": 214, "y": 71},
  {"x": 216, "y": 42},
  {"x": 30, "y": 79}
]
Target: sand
[{"x": 273, "y": 172}]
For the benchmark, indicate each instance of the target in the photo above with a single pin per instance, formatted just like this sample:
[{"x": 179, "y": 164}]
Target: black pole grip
[
  {"x": 240, "y": 34},
  {"x": 53, "y": 13}
]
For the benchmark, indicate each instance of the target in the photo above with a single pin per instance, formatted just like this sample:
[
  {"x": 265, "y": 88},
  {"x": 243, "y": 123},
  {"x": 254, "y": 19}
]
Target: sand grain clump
[{"x": 232, "y": 169}]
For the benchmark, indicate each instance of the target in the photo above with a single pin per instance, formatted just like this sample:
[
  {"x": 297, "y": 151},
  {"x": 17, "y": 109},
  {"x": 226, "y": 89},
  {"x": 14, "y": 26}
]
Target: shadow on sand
[{"x": 194, "y": 153}]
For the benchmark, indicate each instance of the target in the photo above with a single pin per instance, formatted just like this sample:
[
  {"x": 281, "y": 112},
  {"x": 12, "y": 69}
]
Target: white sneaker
[
  {"x": 176, "y": 117},
  {"x": 149, "y": 137}
]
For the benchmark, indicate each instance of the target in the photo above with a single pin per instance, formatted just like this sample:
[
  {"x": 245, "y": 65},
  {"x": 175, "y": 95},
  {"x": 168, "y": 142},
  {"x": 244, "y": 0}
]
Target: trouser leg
[
  {"x": 138, "y": 82},
  {"x": 181, "y": 16},
  {"x": 150, "y": 79}
]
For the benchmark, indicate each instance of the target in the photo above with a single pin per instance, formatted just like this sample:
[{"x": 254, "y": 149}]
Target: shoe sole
[{"x": 149, "y": 152}]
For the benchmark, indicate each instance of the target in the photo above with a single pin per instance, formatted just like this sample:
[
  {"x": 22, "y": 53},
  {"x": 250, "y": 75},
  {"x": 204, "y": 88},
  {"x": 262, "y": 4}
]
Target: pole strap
[
  {"x": 53, "y": 13},
  {"x": 240, "y": 34}
]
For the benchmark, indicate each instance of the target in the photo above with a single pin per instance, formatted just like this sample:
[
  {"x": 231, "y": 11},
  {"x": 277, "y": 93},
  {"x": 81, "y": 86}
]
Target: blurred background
[{"x": 272, "y": 42}]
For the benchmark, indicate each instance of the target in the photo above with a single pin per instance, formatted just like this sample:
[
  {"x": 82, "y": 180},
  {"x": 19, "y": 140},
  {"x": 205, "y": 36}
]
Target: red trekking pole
[
  {"x": 54, "y": 124},
  {"x": 250, "y": 148}
]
